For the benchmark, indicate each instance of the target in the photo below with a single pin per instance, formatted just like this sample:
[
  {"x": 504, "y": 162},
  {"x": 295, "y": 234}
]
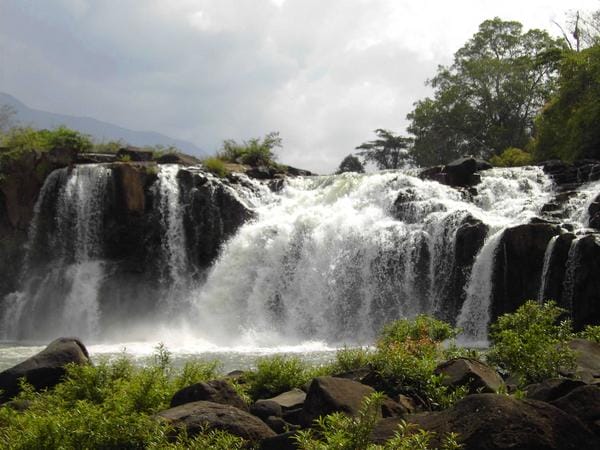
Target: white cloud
[{"x": 323, "y": 73}]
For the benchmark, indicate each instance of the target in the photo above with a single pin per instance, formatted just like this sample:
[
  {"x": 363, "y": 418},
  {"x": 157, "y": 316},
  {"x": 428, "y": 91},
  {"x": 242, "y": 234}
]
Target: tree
[
  {"x": 254, "y": 152},
  {"x": 389, "y": 151},
  {"x": 567, "y": 128},
  {"x": 351, "y": 164},
  {"x": 487, "y": 99}
]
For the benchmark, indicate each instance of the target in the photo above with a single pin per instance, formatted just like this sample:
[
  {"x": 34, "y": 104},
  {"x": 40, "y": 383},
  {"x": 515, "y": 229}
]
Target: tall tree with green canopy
[
  {"x": 388, "y": 151},
  {"x": 350, "y": 163},
  {"x": 568, "y": 126},
  {"x": 487, "y": 99}
]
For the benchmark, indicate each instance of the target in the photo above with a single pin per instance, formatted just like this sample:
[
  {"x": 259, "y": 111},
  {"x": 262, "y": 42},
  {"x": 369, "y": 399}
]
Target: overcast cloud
[{"x": 323, "y": 73}]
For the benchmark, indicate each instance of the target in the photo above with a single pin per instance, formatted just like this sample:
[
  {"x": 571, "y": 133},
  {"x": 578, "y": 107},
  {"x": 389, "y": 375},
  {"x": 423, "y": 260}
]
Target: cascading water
[
  {"x": 60, "y": 291},
  {"x": 335, "y": 258}
]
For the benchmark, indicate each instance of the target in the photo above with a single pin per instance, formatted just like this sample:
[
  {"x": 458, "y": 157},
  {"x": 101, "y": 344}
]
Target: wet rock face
[
  {"x": 584, "y": 296},
  {"x": 213, "y": 213},
  {"x": 567, "y": 175},
  {"x": 519, "y": 262}
]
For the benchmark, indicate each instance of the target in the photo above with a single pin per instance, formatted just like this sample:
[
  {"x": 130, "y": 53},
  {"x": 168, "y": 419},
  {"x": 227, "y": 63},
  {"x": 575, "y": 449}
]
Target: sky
[{"x": 324, "y": 73}]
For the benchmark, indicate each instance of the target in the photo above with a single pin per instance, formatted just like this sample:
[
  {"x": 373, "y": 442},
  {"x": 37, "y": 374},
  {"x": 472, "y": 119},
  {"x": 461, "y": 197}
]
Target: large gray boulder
[
  {"x": 584, "y": 403},
  {"x": 327, "y": 395},
  {"x": 471, "y": 373},
  {"x": 495, "y": 422},
  {"x": 198, "y": 416},
  {"x": 216, "y": 391},
  {"x": 587, "y": 360},
  {"x": 45, "y": 369},
  {"x": 551, "y": 389}
]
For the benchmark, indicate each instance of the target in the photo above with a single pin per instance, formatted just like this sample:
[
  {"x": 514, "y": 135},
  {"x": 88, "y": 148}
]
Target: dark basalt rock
[
  {"x": 44, "y": 370},
  {"x": 494, "y": 422},
  {"x": 96, "y": 158},
  {"x": 557, "y": 266},
  {"x": 177, "y": 158},
  {"x": 587, "y": 359},
  {"x": 583, "y": 402},
  {"x": 458, "y": 173},
  {"x": 583, "y": 298},
  {"x": 135, "y": 154},
  {"x": 327, "y": 395},
  {"x": 216, "y": 391},
  {"x": 283, "y": 441},
  {"x": 266, "y": 408},
  {"x": 566, "y": 175},
  {"x": 200, "y": 416},
  {"x": 551, "y": 389},
  {"x": 519, "y": 261},
  {"x": 478, "y": 377}
]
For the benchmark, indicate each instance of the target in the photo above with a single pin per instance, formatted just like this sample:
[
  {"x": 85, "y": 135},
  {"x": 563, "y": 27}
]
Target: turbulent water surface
[{"x": 327, "y": 261}]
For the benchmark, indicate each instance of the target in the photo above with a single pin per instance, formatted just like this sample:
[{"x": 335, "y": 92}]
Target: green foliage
[
  {"x": 351, "y": 164},
  {"x": 591, "y": 333},
  {"x": 349, "y": 358},
  {"x": 567, "y": 127},
  {"x": 512, "y": 157},
  {"x": 531, "y": 343},
  {"x": 108, "y": 406},
  {"x": 254, "y": 152},
  {"x": 388, "y": 151},
  {"x": 487, "y": 99},
  {"x": 216, "y": 166},
  {"x": 108, "y": 146},
  {"x": 277, "y": 374},
  {"x": 21, "y": 139},
  {"x": 340, "y": 432}
]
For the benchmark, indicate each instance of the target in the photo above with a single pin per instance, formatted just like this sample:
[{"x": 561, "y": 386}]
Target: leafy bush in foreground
[
  {"x": 531, "y": 343},
  {"x": 107, "y": 406},
  {"x": 340, "y": 432}
]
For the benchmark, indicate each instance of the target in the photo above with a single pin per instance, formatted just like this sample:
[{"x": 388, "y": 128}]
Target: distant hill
[{"x": 96, "y": 128}]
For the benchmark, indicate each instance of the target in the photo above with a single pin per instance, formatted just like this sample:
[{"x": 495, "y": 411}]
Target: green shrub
[
  {"x": 349, "y": 358},
  {"x": 512, "y": 157},
  {"x": 531, "y": 343},
  {"x": 21, "y": 139},
  {"x": 216, "y": 166},
  {"x": 340, "y": 432},
  {"x": 591, "y": 333},
  {"x": 254, "y": 152},
  {"x": 277, "y": 374},
  {"x": 109, "y": 406}
]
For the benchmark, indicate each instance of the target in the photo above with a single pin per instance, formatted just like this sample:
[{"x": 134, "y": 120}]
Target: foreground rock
[
  {"x": 44, "y": 370},
  {"x": 327, "y": 395},
  {"x": 583, "y": 403},
  {"x": 587, "y": 360},
  {"x": 199, "y": 416},
  {"x": 478, "y": 377},
  {"x": 216, "y": 391},
  {"x": 494, "y": 422},
  {"x": 552, "y": 389}
]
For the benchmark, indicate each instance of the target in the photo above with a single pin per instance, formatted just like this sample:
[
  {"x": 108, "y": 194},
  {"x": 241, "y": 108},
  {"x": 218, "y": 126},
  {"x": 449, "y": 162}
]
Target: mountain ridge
[{"x": 98, "y": 129}]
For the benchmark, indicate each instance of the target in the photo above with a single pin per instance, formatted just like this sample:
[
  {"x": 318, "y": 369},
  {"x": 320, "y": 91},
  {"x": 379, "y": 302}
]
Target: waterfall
[
  {"x": 171, "y": 217},
  {"x": 474, "y": 316},
  {"x": 546, "y": 268},
  {"x": 59, "y": 293},
  {"x": 330, "y": 258},
  {"x": 337, "y": 257}
]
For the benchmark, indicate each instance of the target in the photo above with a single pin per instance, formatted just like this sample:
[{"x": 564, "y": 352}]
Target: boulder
[
  {"x": 216, "y": 391},
  {"x": 587, "y": 359},
  {"x": 131, "y": 181},
  {"x": 177, "y": 158},
  {"x": 265, "y": 408},
  {"x": 461, "y": 172},
  {"x": 471, "y": 373},
  {"x": 576, "y": 173},
  {"x": 278, "y": 425},
  {"x": 135, "y": 154},
  {"x": 283, "y": 441},
  {"x": 519, "y": 260},
  {"x": 291, "y": 399},
  {"x": 551, "y": 389},
  {"x": 494, "y": 422},
  {"x": 582, "y": 402},
  {"x": 96, "y": 158},
  {"x": 45, "y": 369},
  {"x": 327, "y": 395},
  {"x": 198, "y": 416}
]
